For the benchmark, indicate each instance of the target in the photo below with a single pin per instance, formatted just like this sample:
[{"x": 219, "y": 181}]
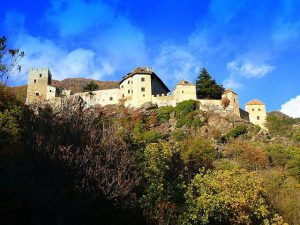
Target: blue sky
[{"x": 252, "y": 46}]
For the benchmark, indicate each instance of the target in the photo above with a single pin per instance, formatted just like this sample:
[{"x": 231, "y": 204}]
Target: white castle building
[{"x": 141, "y": 86}]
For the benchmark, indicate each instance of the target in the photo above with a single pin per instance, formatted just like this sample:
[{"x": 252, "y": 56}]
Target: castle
[{"x": 140, "y": 86}]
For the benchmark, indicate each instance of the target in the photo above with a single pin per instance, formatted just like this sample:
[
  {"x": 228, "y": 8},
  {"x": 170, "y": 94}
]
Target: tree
[
  {"x": 91, "y": 86},
  {"x": 207, "y": 87},
  {"x": 9, "y": 60}
]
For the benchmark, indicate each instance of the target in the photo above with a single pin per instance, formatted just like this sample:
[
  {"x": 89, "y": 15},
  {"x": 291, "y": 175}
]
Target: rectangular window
[
  {"x": 128, "y": 91},
  {"x": 122, "y": 86},
  {"x": 129, "y": 82},
  {"x": 143, "y": 95},
  {"x": 34, "y": 81},
  {"x": 258, "y": 109},
  {"x": 258, "y": 118},
  {"x": 142, "y": 79},
  {"x": 143, "y": 89},
  {"x": 182, "y": 91},
  {"x": 131, "y": 91},
  {"x": 253, "y": 110},
  {"x": 111, "y": 98},
  {"x": 123, "y": 95},
  {"x": 40, "y": 75},
  {"x": 37, "y": 94}
]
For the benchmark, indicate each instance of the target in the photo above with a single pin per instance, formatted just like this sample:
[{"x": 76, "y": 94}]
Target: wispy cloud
[
  {"x": 292, "y": 107},
  {"x": 175, "y": 63},
  {"x": 249, "y": 69}
]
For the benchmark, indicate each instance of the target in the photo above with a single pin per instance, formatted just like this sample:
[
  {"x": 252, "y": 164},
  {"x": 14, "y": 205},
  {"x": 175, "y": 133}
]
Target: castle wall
[
  {"x": 163, "y": 100},
  {"x": 210, "y": 104},
  {"x": 101, "y": 97}
]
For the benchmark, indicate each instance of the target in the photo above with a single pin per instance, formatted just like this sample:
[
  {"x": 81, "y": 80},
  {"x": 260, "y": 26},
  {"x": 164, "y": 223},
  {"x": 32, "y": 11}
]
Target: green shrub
[
  {"x": 163, "y": 113},
  {"x": 151, "y": 136},
  {"x": 197, "y": 154},
  {"x": 185, "y": 112},
  {"x": 237, "y": 131},
  {"x": 226, "y": 197},
  {"x": 178, "y": 135}
]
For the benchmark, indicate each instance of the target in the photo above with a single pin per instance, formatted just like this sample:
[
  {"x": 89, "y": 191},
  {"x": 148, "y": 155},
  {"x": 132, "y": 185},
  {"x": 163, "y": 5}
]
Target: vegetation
[
  {"x": 9, "y": 60},
  {"x": 207, "y": 87},
  {"x": 91, "y": 86},
  {"x": 107, "y": 165}
]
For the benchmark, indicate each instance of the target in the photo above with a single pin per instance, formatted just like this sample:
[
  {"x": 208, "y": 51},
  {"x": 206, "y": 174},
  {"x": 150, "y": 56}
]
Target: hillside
[
  {"x": 73, "y": 84},
  {"x": 168, "y": 165}
]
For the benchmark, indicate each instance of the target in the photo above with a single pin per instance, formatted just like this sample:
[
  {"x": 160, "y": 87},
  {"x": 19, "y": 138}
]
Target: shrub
[
  {"x": 250, "y": 155},
  {"x": 163, "y": 113},
  {"x": 164, "y": 188},
  {"x": 198, "y": 154},
  {"x": 151, "y": 136},
  {"x": 237, "y": 131},
  {"x": 178, "y": 135},
  {"x": 185, "y": 112},
  {"x": 226, "y": 197}
]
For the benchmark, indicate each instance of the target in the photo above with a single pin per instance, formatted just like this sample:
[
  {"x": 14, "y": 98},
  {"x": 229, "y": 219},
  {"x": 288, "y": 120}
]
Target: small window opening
[
  {"x": 34, "y": 80},
  {"x": 143, "y": 95},
  {"x": 37, "y": 94},
  {"x": 111, "y": 98},
  {"x": 258, "y": 109},
  {"x": 142, "y": 79},
  {"x": 253, "y": 110},
  {"x": 143, "y": 89},
  {"x": 182, "y": 91},
  {"x": 129, "y": 82},
  {"x": 128, "y": 91},
  {"x": 40, "y": 75},
  {"x": 258, "y": 117},
  {"x": 50, "y": 90},
  {"x": 123, "y": 95}
]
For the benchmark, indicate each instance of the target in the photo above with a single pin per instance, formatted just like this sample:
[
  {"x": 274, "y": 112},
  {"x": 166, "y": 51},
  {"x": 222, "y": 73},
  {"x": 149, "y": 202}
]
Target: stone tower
[
  {"x": 234, "y": 101},
  {"x": 39, "y": 86},
  {"x": 257, "y": 112}
]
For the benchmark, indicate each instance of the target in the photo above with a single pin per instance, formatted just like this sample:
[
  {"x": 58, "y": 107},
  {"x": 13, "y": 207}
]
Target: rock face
[{"x": 148, "y": 106}]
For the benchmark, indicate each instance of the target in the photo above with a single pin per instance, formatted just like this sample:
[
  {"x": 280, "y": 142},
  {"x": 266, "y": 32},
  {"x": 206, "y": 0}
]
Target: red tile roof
[{"x": 255, "y": 102}]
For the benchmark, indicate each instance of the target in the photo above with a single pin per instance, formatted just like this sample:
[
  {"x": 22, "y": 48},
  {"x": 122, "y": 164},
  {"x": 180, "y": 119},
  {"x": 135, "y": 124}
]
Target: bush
[
  {"x": 226, "y": 197},
  {"x": 185, "y": 112},
  {"x": 164, "y": 188},
  {"x": 178, "y": 135},
  {"x": 198, "y": 154},
  {"x": 151, "y": 136},
  {"x": 250, "y": 155},
  {"x": 236, "y": 132},
  {"x": 163, "y": 113}
]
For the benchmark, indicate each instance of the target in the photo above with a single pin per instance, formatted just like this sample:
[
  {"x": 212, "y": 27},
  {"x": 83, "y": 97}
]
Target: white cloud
[
  {"x": 232, "y": 84},
  {"x": 62, "y": 63},
  {"x": 175, "y": 63},
  {"x": 292, "y": 107},
  {"x": 249, "y": 69}
]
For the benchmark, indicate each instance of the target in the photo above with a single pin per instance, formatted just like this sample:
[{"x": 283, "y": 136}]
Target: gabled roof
[
  {"x": 228, "y": 91},
  {"x": 147, "y": 71},
  {"x": 184, "y": 82},
  {"x": 255, "y": 102}
]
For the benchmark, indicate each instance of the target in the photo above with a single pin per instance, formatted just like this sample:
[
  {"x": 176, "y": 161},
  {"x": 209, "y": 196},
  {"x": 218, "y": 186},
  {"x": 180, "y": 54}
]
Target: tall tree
[
  {"x": 91, "y": 86},
  {"x": 9, "y": 59},
  {"x": 207, "y": 87}
]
